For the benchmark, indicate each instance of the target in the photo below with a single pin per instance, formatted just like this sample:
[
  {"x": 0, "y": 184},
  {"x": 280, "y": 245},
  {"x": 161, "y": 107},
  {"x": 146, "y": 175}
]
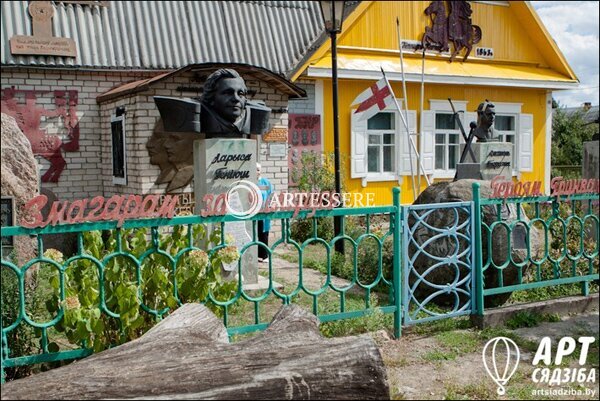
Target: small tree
[{"x": 569, "y": 131}]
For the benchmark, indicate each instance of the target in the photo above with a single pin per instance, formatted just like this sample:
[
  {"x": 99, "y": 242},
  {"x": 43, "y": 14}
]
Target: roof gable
[{"x": 512, "y": 29}]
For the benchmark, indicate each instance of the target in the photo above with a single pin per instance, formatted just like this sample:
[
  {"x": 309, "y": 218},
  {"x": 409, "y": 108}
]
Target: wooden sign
[
  {"x": 277, "y": 134},
  {"x": 42, "y": 43}
]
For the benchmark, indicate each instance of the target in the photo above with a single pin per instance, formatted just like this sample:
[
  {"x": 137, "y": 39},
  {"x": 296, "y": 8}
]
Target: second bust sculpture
[{"x": 222, "y": 111}]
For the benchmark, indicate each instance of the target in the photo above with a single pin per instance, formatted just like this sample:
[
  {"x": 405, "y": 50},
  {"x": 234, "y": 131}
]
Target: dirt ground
[
  {"x": 417, "y": 368},
  {"x": 445, "y": 362}
]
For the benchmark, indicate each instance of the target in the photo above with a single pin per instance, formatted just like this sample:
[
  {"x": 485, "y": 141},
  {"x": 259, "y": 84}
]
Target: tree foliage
[{"x": 569, "y": 132}]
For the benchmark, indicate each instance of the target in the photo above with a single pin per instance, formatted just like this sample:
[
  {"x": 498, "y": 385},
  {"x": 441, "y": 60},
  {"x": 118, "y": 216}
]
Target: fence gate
[{"x": 437, "y": 261}]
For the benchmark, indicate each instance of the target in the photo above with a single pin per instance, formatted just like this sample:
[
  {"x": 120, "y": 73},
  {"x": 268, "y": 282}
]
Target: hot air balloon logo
[{"x": 501, "y": 358}]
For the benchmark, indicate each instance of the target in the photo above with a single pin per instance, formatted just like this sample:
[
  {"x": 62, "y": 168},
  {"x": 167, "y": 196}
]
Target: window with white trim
[
  {"x": 447, "y": 141},
  {"x": 381, "y": 149},
  {"x": 505, "y": 129}
]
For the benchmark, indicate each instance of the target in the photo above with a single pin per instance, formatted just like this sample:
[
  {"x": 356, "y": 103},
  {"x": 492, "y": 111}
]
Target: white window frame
[
  {"x": 443, "y": 106},
  {"x": 514, "y": 134},
  {"x": 511, "y": 110},
  {"x": 384, "y": 175},
  {"x": 446, "y": 172},
  {"x": 118, "y": 180}
]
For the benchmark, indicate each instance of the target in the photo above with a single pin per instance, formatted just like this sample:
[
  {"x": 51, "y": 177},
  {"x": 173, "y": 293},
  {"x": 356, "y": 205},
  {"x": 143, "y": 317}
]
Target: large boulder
[
  {"x": 19, "y": 179},
  {"x": 444, "y": 246}
]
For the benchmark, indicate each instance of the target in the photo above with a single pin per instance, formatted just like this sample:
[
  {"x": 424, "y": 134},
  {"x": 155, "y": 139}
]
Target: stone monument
[
  {"x": 222, "y": 119},
  {"x": 19, "y": 184},
  {"x": 487, "y": 158}
]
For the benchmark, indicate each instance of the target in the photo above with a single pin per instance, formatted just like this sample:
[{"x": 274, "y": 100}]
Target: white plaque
[{"x": 277, "y": 149}]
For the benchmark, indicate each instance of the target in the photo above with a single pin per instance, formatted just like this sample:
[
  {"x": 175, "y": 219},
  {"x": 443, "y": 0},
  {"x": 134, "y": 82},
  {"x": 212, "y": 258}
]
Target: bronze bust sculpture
[
  {"x": 223, "y": 110},
  {"x": 224, "y": 103},
  {"x": 486, "y": 113}
]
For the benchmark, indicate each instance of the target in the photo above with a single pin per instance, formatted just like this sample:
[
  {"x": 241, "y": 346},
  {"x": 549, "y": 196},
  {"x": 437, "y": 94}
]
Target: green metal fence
[
  {"x": 556, "y": 241},
  {"x": 141, "y": 241},
  {"x": 144, "y": 266}
]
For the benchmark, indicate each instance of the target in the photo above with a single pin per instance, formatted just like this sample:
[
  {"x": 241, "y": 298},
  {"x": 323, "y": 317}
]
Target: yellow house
[{"x": 516, "y": 65}]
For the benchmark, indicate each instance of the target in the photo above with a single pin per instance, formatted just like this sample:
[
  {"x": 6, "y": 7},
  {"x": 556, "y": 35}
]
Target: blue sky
[{"x": 574, "y": 25}]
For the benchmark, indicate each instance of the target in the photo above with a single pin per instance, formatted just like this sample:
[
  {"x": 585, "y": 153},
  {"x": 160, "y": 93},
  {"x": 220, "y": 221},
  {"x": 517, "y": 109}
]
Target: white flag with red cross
[{"x": 373, "y": 100}]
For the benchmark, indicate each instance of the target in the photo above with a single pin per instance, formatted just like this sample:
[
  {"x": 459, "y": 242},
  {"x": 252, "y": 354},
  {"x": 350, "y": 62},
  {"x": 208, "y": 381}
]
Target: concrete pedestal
[
  {"x": 218, "y": 164},
  {"x": 491, "y": 159}
]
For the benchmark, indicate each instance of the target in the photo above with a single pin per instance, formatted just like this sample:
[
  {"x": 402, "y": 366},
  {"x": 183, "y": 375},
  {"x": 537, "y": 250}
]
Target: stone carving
[
  {"x": 459, "y": 191},
  {"x": 19, "y": 179},
  {"x": 173, "y": 153},
  {"x": 28, "y": 115},
  {"x": 461, "y": 31},
  {"x": 436, "y": 36}
]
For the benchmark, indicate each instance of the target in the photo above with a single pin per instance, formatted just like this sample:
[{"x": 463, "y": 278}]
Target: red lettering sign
[{"x": 117, "y": 207}]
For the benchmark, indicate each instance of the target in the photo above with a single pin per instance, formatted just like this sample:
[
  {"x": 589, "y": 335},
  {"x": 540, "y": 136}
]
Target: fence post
[
  {"x": 397, "y": 264},
  {"x": 478, "y": 247}
]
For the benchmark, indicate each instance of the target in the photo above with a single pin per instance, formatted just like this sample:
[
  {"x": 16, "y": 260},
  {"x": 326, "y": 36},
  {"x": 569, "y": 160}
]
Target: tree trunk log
[{"x": 188, "y": 356}]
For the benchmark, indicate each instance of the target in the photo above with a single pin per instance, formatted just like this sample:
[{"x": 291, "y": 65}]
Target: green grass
[
  {"x": 460, "y": 342},
  {"x": 438, "y": 355},
  {"x": 469, "y": 392},
  {"x": 530, "y": 319}
]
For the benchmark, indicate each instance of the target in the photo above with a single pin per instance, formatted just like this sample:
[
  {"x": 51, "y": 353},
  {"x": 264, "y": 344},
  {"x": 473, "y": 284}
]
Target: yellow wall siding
[
  {"x": 534, "y": 102},
  {"x": 502, "y": 30}
]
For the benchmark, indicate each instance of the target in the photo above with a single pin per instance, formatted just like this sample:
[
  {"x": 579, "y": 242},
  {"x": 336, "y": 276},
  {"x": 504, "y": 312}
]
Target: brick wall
[
  {"x": 82, "y": 176},
  {"x": 141, "y": 118},
  {"x": 304, "y": 106},
  {"x": 88, "y": 171}
]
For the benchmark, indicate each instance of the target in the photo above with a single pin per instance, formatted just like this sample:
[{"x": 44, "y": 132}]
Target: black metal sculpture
[
  {"x": 222, "y": 111},
  {"x": 486, "y": 114},
  {"x": 436, "y": 36},
  {"x": 461, "y": 31}
]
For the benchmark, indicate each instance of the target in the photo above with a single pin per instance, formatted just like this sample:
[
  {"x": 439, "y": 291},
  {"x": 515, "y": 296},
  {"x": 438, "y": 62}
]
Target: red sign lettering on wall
[{"x": 48, "y": 138}]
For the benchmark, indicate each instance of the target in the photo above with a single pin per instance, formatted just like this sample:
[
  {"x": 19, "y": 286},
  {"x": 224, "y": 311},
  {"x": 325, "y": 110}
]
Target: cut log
[{"x": 188, "y": 356}]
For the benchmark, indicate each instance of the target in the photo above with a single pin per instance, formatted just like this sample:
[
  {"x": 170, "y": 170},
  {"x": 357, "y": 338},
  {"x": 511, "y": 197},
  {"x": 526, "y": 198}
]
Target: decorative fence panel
[
  {"x": 554, "y": 241},
  {"x": 438, "y": 261}
]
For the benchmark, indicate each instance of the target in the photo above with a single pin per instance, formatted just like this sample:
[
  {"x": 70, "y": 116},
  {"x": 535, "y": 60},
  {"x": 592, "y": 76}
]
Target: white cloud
[{"x": 575, "y": 27}]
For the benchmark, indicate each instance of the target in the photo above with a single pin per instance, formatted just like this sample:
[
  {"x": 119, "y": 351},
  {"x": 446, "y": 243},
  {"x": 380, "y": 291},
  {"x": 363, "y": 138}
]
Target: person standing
[{"x": 264, "y": 226}]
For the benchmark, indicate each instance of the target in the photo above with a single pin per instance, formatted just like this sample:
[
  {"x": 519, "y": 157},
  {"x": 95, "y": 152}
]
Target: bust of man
[
  {"x": 224, "y": 103},
  {"x": 223, "y": 111},
  {"x": 486, "y": 113}
]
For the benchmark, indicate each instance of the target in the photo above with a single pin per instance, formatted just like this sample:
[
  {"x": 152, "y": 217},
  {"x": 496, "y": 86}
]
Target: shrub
[
  {"x": 315, "y": 174},
  {"x": 197, "y": 275},
  {"x": 21, "y": 340}
]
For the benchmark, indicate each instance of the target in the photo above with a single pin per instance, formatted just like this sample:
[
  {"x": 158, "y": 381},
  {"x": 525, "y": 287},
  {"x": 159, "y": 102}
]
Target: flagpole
[
  {"x": 419, "y": 139},
  {"x": 409, "y": 139}
]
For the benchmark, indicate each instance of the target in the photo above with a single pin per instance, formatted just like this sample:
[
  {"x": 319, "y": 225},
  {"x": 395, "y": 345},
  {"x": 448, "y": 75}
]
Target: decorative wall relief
[
  {"x": 50, "y": 131},
  {"x": 304, "y": 137},
  {"x": 456, "y": 27},
  {"x": 173, "y": 153}
]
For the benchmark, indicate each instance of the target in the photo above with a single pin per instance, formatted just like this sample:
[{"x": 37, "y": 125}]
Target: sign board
[
  {"x": 276, "y": 134},
  {"x": 34, "y": 46},
  {"x": 277, "y": 149},
  {"x": 42, "y": 43},
  {"x": 8, "y": 218}
]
